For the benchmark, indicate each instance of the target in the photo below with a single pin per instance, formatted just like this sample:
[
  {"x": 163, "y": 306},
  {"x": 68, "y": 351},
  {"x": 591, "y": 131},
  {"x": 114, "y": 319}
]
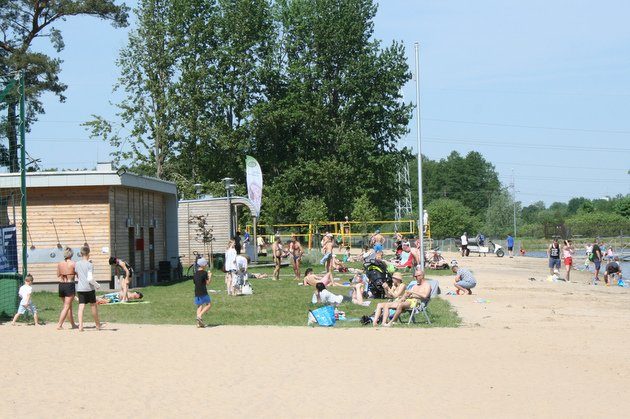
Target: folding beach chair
[{"x": 422, "y": 305}]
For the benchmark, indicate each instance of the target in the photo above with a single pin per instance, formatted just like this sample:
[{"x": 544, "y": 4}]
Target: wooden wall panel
[
  {"x": 65, "y": 206},
  {"x": 217, "y": 213},
  {"x": 142, "y": 207}
]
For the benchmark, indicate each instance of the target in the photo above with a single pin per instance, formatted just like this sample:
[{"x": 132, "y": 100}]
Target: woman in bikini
[{"x": 67, "y": 290}]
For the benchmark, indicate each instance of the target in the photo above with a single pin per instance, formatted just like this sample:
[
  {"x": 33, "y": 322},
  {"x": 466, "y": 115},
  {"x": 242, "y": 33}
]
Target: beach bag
[
  {"x": 247, "y": 289},
  {"x": 591, "y": 256},
  {"x": 323, "y": 316}
]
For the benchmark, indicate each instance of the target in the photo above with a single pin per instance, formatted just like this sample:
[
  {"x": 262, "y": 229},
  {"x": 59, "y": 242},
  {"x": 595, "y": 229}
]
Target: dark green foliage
[
  {"x": 472, "y": 180},
  {"x": 302, "y": 86},
  {"x": 451, "y": 218},
  {"x": 596, "y": 224}
]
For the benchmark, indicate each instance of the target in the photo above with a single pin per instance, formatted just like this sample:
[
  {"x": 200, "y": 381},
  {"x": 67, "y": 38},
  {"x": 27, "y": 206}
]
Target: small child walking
[
  {"x": 202, "y": 299},
  {"x": 26, "y": 304}
]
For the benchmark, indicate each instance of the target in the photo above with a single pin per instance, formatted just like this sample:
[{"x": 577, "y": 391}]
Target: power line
[
  {"x": 529, "y": 126},
  {"x": 556, "y": 166},
  {"x": 510, "y": 144}
]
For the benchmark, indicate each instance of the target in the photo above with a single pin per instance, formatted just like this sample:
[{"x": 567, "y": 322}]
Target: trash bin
[
  {"x": 9, "y": 285},
  {"x": 219, "y": 262}
]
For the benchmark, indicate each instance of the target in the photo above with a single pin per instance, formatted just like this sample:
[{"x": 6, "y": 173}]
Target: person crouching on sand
[{"x": 464, "y": 280}]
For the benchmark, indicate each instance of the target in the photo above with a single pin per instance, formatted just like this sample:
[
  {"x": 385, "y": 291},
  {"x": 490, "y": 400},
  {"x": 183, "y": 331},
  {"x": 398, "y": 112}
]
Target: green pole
[{"x": 23, "y": 174}]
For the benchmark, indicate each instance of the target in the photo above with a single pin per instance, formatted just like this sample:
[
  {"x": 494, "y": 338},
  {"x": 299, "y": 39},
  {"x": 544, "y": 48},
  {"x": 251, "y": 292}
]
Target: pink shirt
[{"x": 567, "y": 252}]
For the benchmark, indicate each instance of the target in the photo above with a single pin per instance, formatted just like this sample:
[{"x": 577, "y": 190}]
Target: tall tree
[
  {"x": 147, "y": 66},
  {"x": 333, "y": 119},
  {"x": 23, "y": 21},
  {"x": 500, "y": 214}
]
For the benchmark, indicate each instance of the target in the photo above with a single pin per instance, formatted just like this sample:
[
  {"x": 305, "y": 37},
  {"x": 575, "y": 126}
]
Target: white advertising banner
[{"x": 254, "y": 182}]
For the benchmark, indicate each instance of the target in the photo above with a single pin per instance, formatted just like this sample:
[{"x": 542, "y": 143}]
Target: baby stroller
[{"x": 377, "y": 274}]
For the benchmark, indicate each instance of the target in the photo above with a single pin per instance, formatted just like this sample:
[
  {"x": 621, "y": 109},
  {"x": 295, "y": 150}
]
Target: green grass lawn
[{"x": 279, "y": 303}]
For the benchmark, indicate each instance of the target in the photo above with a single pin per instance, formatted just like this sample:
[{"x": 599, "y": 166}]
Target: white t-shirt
[
  {"x": 26, "y": 290},
  {"x": 230, "y": 260},
  {"x": 327, "y": 297},
  {"x": 464, "y": 240}
]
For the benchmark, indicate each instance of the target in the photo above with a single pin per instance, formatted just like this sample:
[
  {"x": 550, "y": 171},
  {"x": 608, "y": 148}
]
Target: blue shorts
[
  {"x": 466, "y": 284},
  {"x": 199, "y": 301},
  {"x": 598, "y": 263},
  {"x": 554, "y": 263},
  {"x": 30, "y": 307}
]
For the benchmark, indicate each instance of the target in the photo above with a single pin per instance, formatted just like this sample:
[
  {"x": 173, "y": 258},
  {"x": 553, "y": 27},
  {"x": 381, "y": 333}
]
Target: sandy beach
[{"x": 526, "y": 349}]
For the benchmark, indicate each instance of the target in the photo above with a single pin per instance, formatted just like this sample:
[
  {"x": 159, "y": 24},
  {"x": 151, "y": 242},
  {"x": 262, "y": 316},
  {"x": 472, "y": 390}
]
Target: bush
[
  {"x": 450, "y": 218},
  {"x": 598, "y": 224}
]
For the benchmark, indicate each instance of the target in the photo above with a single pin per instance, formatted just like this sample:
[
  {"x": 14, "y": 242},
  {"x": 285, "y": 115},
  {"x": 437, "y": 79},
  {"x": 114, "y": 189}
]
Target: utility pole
[
  {"x": 420, "y": 208},
  {"x": 514, "y": 201},
  {"x": 23, "y": 173}
]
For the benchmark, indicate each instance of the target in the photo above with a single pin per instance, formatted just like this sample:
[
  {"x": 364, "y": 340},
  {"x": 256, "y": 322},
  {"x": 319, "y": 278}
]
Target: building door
[
  {"x": 132, "y": 250},
  {"x": 141, "y": 249}
]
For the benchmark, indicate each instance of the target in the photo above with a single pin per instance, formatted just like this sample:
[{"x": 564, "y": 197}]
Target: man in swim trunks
[
  {"x": 596, "y": 259},
  {"x": 277, "y": 252},
  {"x": 412, "y": 297},
  {"x": 327, "y": 250},
  {"x": 296, "y": 252}
]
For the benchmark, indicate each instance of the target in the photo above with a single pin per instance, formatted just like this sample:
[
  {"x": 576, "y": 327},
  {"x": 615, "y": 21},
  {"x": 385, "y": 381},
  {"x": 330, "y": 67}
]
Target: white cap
[{"x": 202, "y": 262}]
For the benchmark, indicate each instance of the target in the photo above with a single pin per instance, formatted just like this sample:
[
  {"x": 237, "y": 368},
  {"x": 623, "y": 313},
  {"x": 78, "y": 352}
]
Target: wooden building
[
  {"x": 116, "y": 213},
  {"x": 217, "y": 215}
]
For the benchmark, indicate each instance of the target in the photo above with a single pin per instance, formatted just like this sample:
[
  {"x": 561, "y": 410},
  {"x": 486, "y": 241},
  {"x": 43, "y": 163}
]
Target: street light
[
  {"x": 198, "y": 188},
  {"x": 229, "y": 190}
]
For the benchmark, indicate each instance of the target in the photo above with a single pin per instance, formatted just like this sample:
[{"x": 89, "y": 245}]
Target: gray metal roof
[{"x": 87, "y": 178}]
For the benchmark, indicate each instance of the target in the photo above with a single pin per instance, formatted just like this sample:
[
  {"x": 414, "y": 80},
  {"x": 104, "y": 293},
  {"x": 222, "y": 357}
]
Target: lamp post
[{"x": 229, "y": 189}]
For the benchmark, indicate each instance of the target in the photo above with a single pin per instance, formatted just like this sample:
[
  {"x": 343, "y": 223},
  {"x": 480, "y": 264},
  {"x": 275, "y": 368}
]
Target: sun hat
[
  {"x": 202, "y": 262},
  {"x": 397, "y": 275}
]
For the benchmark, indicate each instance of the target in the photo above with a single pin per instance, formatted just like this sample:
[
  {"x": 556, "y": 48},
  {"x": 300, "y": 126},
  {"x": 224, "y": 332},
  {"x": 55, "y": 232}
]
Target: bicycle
[
  {"x": 193, "y": 268},
  {"x": 178, "y": 270}
]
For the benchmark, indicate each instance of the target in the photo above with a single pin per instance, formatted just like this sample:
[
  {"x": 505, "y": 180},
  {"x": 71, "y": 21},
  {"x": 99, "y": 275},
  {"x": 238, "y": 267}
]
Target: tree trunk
[{"x": 12, "y": 137}]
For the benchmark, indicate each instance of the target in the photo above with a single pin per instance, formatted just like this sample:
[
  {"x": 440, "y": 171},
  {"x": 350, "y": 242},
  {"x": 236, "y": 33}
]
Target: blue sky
[{"x": 540, "y": 87}]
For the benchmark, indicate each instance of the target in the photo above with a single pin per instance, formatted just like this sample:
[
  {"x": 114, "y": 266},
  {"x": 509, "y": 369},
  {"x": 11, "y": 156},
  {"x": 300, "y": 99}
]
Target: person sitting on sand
[
  {"x": 312, "y": 280},
  {"x": 464, "y": 280}
]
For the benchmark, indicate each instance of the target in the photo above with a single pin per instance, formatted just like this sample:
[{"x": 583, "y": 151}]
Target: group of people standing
[
  {"x": 594, "y": 254},
  {"x": 77, "y": 279}
]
